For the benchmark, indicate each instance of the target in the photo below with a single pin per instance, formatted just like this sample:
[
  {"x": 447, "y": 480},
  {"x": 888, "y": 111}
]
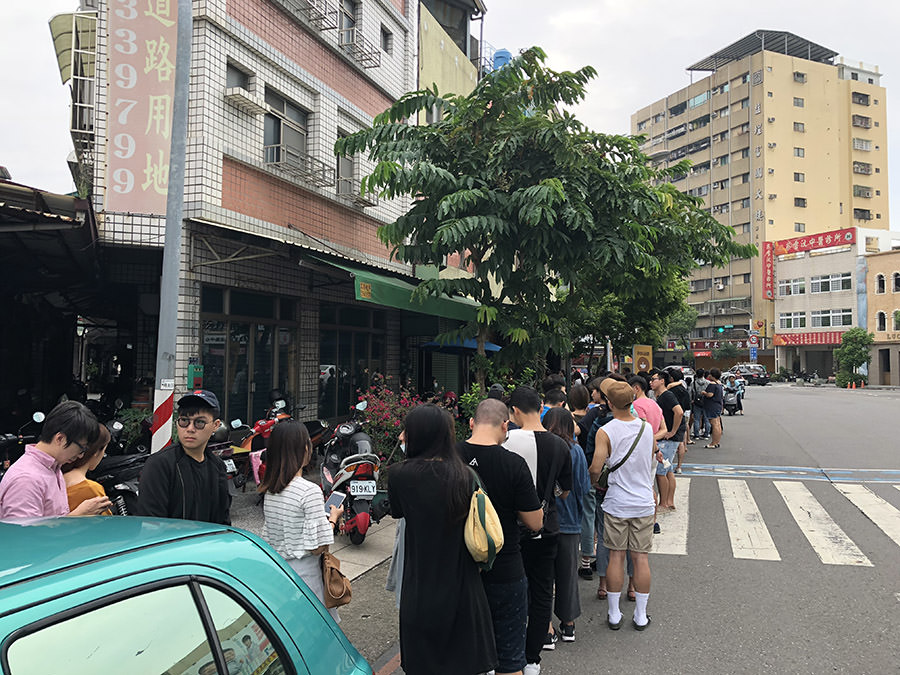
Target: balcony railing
[
  {"x": 359, "y": 48},
  {"x": 349, "y": 188},
  {"x": 298, "y": 164}
]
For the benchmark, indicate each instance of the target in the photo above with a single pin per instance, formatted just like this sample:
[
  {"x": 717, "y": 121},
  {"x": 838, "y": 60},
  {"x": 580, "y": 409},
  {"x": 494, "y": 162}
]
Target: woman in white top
[{"x": 295, "y": 521}]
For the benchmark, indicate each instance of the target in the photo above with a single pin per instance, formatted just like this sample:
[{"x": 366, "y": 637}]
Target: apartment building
[
  {"x": 283, "y": 280},
  {"x": 785, "y": 138}
]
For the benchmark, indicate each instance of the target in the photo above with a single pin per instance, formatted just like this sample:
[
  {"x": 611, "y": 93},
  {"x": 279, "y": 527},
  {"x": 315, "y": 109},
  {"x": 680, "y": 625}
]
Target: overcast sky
[{"x": 639, "y": 47}]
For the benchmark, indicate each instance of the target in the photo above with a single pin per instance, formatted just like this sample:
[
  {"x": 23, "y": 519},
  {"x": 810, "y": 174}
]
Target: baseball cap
[
  {"x": 619, "y": 394},
  {"x": 199, "y": 398}
]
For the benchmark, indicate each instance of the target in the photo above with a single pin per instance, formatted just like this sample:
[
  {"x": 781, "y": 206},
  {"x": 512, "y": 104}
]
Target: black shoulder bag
[{"x": 603, "y": 481}]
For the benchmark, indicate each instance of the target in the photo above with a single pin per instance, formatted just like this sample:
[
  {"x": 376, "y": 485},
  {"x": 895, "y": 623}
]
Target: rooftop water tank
[{"x": 501, "y": 58}]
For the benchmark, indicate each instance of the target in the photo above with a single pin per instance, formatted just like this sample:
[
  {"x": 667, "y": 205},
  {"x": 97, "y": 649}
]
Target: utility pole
[{"x": 164, "y": 389}]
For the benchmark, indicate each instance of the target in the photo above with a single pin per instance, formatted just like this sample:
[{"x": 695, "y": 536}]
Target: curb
[{"x": 389, "y": 662}]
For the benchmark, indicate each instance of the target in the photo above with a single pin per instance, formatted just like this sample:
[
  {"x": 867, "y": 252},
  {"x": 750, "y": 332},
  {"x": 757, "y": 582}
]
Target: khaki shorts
[{"x": 628, "y": 534}]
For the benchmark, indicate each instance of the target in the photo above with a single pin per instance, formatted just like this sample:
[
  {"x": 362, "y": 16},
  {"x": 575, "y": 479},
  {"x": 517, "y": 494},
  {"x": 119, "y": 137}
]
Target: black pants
[{"x": 539, "y": 557}]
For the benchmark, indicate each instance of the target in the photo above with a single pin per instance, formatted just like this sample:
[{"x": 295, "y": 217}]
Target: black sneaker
[
  {"x": 594, "y": 564},
  {"x": 567, "y": 632},
  {"x": 655, "y": 528},
  {"x": 585, "y": 573},
  {"x": 550, "y": 641}
]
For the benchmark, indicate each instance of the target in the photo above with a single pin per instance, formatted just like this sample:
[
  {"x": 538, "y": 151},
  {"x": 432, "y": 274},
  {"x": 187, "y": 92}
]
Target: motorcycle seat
[{"x": 364, "y": 457}]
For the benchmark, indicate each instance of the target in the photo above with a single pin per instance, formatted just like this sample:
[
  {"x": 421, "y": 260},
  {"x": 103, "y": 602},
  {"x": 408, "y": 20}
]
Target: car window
[
  {"x": 156, "y": 632},
  {"x": 247, "y": 648}
]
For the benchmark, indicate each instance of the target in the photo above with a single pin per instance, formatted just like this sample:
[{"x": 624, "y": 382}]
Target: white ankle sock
[
  {"x": 613, "y": 612},
  {"x": 640, "y": 608}
]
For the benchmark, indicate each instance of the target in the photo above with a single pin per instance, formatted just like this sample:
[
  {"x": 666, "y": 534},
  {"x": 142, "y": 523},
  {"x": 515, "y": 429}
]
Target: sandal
[
  {"x": 631, "y": 596},
  {"x": 712, "y": 446},
  {"x": 601, "y": 591}
]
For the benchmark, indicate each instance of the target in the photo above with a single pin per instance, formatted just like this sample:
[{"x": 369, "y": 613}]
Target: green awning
[{"x": 387, "y": 291}]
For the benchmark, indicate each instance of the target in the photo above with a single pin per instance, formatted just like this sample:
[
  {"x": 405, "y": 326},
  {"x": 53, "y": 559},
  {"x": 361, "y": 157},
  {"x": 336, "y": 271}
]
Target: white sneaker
[{"x": 532, "y": 669}]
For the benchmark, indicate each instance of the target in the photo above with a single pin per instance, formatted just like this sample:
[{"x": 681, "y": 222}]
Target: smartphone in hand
[{"x": 335, "y": 500}]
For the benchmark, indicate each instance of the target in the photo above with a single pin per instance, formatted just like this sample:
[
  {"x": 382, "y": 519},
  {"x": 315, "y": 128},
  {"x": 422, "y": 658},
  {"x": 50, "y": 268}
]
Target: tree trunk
[{"x": 482, "y": 354}]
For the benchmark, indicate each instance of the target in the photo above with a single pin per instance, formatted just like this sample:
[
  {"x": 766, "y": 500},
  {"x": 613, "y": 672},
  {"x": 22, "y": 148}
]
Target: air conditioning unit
[
  {"x": 722, "y": 310},
  {"x": 720, "y": 287},
  {"x": 771, "y": 145},
  {"x": 771, "y": 119},
  {"x": 713, "y": 115},
  {"x": 771, "y": 172},
  {"x": 772, "y": 196}
]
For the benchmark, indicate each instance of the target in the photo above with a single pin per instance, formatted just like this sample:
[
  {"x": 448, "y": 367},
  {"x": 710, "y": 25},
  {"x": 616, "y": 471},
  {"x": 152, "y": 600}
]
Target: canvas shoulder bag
[{"x": 483, "y": 532}]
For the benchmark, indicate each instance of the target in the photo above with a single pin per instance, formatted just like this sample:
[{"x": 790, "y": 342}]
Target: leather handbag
[
  {"x": 337, "y": 589},
  {"x": 603, "y": 480}
]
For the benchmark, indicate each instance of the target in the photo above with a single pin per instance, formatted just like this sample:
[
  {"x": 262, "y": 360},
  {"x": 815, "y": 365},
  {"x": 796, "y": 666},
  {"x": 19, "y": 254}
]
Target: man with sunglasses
[
  {"x": 34, "y": 486},
  {"x": 184, "y": 480}
]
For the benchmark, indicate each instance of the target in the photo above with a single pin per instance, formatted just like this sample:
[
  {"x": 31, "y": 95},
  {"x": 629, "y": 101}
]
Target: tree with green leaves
[
  {"x": 546, "y": 213},
  {"x": 681, "y": 322},
  {"x": 726, "y": 350},
  {"x": 853, "y": 353}
]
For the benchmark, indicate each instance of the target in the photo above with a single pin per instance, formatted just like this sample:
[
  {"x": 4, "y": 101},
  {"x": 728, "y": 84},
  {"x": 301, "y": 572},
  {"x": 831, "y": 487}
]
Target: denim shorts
[
  {"x": 668, "y": 449},
  {"x": 509, "y": 613}
]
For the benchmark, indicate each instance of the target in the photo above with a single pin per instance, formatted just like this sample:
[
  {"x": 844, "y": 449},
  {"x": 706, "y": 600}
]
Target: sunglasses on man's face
[{"x": 199, "y": 422}]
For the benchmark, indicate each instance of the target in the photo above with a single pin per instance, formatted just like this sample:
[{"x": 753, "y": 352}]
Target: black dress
[{"x": 445, "y": 620}]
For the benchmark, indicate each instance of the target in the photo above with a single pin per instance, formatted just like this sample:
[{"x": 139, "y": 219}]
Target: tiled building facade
[{"x": 273, "y": 219}]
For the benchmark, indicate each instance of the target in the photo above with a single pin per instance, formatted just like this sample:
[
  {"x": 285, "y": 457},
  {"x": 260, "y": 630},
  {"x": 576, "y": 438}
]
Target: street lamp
[{"x": 748, "y": 313}]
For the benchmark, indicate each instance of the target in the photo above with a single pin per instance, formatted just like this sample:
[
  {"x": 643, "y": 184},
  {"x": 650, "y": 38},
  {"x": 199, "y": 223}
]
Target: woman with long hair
[
  {"x": 445, "y": 621},
  {"x": 567, "y": 606},
  {"x": 294, "y": 508}
]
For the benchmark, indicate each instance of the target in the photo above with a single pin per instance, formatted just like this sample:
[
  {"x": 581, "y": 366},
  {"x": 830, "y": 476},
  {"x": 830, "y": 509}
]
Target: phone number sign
[{"x": 143, "y": 36}]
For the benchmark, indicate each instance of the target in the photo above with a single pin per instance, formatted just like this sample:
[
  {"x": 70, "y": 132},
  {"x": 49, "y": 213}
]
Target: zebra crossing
[{"x": 749, "y": 534}]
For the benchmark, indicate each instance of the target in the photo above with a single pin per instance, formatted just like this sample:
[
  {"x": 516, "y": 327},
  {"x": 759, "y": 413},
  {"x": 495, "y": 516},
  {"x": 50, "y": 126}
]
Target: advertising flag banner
[{"x": 143, "y": 37}]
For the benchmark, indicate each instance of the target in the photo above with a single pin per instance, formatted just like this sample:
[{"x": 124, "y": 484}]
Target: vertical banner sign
[
  {"x": 141, "y": 86},
  {"x": 768, "y": 261},
  {"x": 643, "y": 357}
]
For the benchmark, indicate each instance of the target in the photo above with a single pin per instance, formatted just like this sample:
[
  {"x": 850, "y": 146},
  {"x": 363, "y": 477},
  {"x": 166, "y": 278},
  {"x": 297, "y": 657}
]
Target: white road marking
[
  {"x": 828, "y": 540},
  {"x": 874, "y": 507},
  {"x": 749, "y": 537},
  {"x": 673, "y": 525}
]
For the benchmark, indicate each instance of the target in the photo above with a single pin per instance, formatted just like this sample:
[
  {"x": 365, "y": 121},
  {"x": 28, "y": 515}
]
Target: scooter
[
  {"x": 12, "y": 446},
  {"x": 119, "y": 475},
  {"x": 351, "y": 466},
  {"x": 730, "y": 402},
  {"x": 227, "y": 445}
]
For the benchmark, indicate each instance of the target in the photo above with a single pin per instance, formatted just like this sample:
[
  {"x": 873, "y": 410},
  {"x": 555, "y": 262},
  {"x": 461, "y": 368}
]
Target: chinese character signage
[
  {"x": 816, "y": 241},
  {"x": 141, "y": 88},
  {"x": 830, "y": 337},
  {"x": 702, "y": 345},
  {"x": 643, "y": 357},
  {"x": 768, "y": 261}
]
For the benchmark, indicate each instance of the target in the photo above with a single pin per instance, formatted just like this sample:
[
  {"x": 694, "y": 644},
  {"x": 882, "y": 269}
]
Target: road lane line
[
  {"x": 673, "y": 525},
  {"x": 749, "y": 537},
  {"x": 828, "y": 540},
  {"x": 876, "y": 509}
]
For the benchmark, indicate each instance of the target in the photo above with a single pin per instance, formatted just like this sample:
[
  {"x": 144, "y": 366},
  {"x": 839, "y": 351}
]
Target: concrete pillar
[{"x": 895, "y": 365}]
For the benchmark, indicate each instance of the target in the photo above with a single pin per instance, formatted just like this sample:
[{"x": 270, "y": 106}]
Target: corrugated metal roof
[{"x": 777, "y": 41}]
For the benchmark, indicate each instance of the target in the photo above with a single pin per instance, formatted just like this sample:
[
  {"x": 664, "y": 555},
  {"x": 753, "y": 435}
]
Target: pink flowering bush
[{"x": 384, "y": 415}]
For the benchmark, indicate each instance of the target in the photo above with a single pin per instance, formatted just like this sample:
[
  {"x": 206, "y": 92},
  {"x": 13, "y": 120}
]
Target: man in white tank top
[{"x": 629, "y": 506}]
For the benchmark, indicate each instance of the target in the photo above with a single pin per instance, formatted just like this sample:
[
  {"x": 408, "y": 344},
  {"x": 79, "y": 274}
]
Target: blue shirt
[{"x": 571, "y": 508}]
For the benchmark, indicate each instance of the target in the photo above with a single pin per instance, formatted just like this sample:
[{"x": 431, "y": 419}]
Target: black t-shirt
[
  {"x": 204, "y": 484},
  {"x": 507, "y": 481},
  {"x": 550, "y": 464},
  {"x": 585, "y": 423},
  {"x": 667, "y": 401},
  {"x": 714, "y": 404},
  {"x": 683, "y": 396}
]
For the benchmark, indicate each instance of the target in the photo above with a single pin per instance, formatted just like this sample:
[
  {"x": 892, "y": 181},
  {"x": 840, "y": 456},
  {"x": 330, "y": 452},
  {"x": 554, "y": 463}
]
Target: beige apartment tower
[{"x": 784, "y": 139}]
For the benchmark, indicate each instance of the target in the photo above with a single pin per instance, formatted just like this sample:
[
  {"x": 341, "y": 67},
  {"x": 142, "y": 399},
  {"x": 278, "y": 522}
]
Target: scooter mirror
[
  {"x": 279, "y": 404},
  {"x": 117, "y": 426},
  {"x": 236, "y": 424},
  {"x": 119, "y": 404},
  {"x": 38, "y": 417},
  {"x": 362, "y": 405}
]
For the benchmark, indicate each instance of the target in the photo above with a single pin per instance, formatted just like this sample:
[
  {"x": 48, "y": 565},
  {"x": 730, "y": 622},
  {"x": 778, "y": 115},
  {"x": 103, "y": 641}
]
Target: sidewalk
[{"x": 247, "y": 514}]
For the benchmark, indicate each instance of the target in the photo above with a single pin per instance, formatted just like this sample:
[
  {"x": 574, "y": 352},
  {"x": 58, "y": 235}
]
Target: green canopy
[{"x": 387, "y": 291}]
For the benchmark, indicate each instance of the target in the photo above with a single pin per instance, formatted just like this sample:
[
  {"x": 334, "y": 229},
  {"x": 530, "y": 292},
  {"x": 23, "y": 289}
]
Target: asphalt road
[{"x": 794, "y": 578}]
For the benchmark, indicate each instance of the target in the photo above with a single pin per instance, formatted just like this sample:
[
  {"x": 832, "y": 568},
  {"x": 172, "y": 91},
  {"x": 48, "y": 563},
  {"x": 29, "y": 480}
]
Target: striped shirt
[{"x": 295, "y": 520}]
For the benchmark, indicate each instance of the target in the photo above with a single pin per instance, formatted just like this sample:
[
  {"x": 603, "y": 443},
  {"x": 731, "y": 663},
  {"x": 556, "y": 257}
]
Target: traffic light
[{"x": 720, "y": 329}]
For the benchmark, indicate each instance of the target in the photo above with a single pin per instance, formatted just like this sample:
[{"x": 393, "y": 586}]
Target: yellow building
[
  {"x": 883, "y": 300},
  {"x": 783, "y": 140}
]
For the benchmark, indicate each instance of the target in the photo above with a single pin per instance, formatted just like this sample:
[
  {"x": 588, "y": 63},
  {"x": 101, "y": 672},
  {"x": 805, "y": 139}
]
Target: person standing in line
[
  {"x": 567, "y": 606},
  {"x": 185, "y": 480},
  {"x": 648, "y": 410},
  {"x": 550, "y": 464},
  {"x": 507, "y": 481},
  {"x": 629, "y": 505},
  {"x": 34, "y": 486},
  {"x": 579, "y": 400},
  {"x": 445, "y": 619},
  {"x": 296, "y": 524},
  {"x": 78, "y": 486},
  {"x": 679, "y": 388},
  {"x": 715, "y": 396},
  {"x": 701, "y": 422},
  {"x": 673, "y": 416}
]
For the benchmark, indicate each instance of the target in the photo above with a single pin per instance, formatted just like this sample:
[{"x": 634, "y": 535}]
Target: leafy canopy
[
  {"x": 550, "y": 217},
  {"x": 854, "y": 350}
]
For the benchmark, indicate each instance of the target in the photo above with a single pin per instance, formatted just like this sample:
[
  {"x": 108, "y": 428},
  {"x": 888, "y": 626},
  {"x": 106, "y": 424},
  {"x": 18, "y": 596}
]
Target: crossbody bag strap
[{"x": 631, "y": 449}]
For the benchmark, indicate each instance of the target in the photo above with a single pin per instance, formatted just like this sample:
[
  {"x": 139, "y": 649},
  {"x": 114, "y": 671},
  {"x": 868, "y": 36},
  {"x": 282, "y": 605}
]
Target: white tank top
[{"x": 630, "y": 493}]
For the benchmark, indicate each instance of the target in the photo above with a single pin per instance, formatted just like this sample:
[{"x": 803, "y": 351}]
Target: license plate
[
  {"x": 229, "y": 466},
  {"x": 363, "y": 488}
]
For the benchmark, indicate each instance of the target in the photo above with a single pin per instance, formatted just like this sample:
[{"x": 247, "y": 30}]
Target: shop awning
[
  {"x": 459, "y": 346},
  {"x": 380, "y": 289}
]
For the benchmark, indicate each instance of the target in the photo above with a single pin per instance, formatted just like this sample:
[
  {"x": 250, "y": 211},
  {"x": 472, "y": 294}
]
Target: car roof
[{"x": 33, "y": 548}]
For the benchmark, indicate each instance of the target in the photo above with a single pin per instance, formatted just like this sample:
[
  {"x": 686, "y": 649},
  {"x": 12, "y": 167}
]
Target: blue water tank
[{"x": 501, "y": 58}]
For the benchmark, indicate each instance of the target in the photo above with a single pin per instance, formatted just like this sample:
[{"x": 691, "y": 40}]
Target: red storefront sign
[
  {"x": 768, "y": 260},
  {"x": 816, "y": 241},
  {"x": 831, "y": 337},
  {"x": 702, "y": 353}
]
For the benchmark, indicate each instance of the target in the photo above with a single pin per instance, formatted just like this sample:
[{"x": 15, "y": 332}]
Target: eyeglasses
[
  {"x": 81, "y": 447},
  {"x": 199, "y": 422}
]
